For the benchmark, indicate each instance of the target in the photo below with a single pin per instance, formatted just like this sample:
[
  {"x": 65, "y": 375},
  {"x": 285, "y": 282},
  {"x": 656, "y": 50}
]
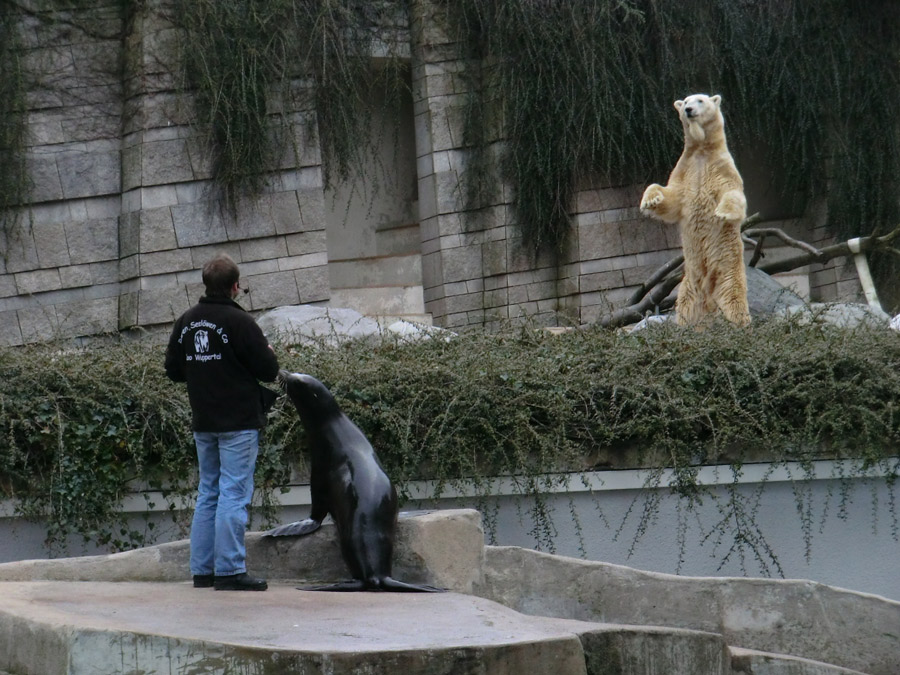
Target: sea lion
[{"x": 346, "y": 481}]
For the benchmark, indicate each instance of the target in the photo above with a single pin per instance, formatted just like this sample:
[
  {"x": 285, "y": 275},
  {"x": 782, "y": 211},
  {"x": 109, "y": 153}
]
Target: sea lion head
[{"x": 312, "y": 399}]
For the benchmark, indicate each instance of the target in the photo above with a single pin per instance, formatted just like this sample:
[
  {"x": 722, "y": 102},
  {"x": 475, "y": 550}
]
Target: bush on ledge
[{"x": 81, "y": 428}]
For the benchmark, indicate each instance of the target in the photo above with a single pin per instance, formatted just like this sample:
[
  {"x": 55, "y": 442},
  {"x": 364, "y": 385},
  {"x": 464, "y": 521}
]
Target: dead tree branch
[
  {"x": 866, "y": 245},
  {"x": 653, "y": 294},
  {"x": 655, "y": 278},
  {"x": 763, "y": 232}
]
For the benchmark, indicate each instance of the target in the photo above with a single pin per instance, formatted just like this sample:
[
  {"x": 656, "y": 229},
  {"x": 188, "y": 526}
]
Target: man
[{"x": 220, "y": 351}]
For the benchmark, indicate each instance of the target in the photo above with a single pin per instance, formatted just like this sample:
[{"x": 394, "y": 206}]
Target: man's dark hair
[{"x": 219, "y": 276}]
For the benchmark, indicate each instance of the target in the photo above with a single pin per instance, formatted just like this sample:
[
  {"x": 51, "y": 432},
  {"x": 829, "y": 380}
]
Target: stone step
[{"x": 752, "y": 662}]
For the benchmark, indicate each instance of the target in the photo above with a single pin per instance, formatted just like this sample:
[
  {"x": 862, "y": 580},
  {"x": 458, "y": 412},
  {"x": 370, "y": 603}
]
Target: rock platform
[{"x": 507, "y": 611}]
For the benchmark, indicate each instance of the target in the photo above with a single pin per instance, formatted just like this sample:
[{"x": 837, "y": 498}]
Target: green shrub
[{"x": 81, "y": 428}]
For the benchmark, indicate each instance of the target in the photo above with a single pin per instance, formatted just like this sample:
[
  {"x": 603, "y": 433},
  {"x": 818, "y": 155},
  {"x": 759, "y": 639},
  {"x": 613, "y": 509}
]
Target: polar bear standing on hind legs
[{"x": 705, "y": 197}]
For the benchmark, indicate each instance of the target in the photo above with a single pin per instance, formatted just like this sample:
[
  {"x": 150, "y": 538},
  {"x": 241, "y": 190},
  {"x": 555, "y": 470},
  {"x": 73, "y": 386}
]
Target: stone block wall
[
  {"x": 123, "y": 212},
  {"x": 475, "y": 270},
  {"x": 172, "y": 219},
  {"x": 59, "y": 274},
  {"x": 837, "y": 281},
  {"x": 617, "y": 248}
]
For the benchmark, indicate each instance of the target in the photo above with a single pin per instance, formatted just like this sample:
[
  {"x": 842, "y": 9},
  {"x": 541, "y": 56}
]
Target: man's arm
[
  {"x": 175, "y": 356},
  {"x": 258, "y": 356}
]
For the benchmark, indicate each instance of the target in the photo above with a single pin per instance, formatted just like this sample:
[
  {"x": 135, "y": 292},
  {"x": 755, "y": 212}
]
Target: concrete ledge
[
  {"x": 749, "y": 662},
  {"x": 630, "y": 650},
  {"x": 514, "y": 611},
  {"x": 442, "y": 548},
  {"x": 50, "y": 627},
  {"x": 799, "y": 618}
]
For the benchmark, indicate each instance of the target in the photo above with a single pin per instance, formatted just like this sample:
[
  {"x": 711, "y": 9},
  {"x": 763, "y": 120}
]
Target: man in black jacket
[{"x": 221, "y": 353}]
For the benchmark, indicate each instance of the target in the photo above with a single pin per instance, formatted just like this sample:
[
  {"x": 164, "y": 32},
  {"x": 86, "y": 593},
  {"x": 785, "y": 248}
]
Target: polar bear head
[{"x": 700, "y": 113}]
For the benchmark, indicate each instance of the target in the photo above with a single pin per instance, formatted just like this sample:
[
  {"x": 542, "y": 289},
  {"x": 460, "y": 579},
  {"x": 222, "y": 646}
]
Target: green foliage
[
  {"x": 82, "y": 428},
  {"x": 79, "y": 427},
  {"x": 13, "y": 175},
  {"x": 586, "y": 88},
  {"x": 527, "y": 405},
  {"x": 246, "y": 61}
]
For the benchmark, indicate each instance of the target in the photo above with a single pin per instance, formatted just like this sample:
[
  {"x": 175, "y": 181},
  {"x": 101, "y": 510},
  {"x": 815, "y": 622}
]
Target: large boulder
[
  {"x": 841, "y": 314},
  {"x": 308, "y": 324},
  {"x": 766, "y": 296}
]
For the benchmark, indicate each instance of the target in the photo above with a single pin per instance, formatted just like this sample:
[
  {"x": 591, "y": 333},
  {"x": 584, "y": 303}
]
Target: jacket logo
[{"x": 201, "y": 342}]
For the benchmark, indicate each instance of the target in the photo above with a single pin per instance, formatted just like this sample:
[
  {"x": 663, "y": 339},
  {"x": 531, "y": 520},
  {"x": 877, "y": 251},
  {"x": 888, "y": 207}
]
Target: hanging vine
[
  {"x": 585, "y": 89},
  {"x": 13, "y": 172},
  {"x": 247, "y": 59}
]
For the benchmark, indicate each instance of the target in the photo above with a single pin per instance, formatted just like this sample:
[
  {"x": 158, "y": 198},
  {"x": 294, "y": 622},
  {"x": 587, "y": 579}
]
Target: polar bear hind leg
[
  {"x": 689, "y": 304},
  {"x": 731, "y": 299}
]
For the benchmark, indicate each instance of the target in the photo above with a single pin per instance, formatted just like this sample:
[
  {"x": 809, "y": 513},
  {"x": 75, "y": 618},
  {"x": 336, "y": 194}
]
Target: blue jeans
[{"x": 227, "y": 461}]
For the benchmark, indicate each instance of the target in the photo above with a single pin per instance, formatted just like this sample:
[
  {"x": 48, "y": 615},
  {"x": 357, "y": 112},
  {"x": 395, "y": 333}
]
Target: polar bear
[{"x": 705, "y": 197}]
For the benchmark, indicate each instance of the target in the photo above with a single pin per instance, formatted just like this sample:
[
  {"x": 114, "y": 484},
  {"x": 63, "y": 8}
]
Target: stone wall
[
  {"x": 475, "y": 268},
  {"x": 123, "y": 212}
]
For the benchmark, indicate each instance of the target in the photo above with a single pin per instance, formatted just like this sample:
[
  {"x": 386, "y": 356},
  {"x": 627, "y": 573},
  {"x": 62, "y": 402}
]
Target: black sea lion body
[{"x": 346, "y": 481}]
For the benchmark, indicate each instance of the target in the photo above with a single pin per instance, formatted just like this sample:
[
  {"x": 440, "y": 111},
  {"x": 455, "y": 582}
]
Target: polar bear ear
[
  {"x": 678, "y": 105},
  {"x": 716, "y": 99}
]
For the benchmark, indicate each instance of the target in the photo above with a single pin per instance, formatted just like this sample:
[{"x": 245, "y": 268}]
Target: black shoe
[
  {"x": 240, "y": 582},
  {"x": 203, "y": 580}
]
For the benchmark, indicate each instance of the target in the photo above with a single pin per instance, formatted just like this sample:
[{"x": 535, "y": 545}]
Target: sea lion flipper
[
  {"x": 342, "y": 586},
  {"x": 391, "y": 584},
  {"x": 295, "y": 529}
]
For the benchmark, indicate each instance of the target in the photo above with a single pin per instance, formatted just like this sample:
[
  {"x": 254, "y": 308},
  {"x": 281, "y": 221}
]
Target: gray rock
[
  {"x": 766, "y": 296},
  {"x": 653, "y": 320},
  {"x": 309, "y": 324},
  {"x": 316, "y": 325},
  {"x": 409, "y": 331},
  {"x": 841, "y": 314}
]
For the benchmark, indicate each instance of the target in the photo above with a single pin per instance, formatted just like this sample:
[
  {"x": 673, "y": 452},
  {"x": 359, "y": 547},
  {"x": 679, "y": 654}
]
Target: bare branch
[
  {"x": 749, "y": 221},
  {"x": 763, "y": 232},
  {"x": 654, "y": 293},
  {"x": 655, "y": 278},
  {"x": 757, "y": 251},
  {"x": 866, "y": 244},
  {"x": 657, "y": 300}
]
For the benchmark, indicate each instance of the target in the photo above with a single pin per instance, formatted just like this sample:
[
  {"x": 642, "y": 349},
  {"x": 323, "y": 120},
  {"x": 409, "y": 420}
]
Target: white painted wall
[{"x": 859, "y": 552}]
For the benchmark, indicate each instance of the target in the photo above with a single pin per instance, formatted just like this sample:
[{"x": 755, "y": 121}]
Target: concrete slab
[
  {"x": 511, "y": 611},
  {"x": 81, "y": 628},
  {"x": 93, "y": 628}
]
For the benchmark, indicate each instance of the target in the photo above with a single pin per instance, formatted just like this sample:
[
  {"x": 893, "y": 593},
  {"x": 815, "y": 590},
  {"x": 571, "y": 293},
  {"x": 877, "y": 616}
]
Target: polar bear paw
[
  {"x": 732, "y": 208},
  {"x": 653, "y": 197}
]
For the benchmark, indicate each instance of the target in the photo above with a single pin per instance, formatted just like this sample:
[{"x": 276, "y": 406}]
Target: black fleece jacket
[{"x": 220, "y": 351}]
